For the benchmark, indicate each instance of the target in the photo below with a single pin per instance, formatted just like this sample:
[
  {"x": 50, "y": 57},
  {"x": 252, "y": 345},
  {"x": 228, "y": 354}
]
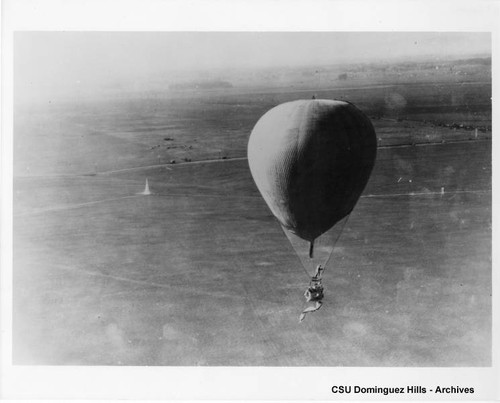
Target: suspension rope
[
  {"x": 314, "y": 293},
  {"x": 323, "y": 265},
  {"x": 337, "y": 239}
]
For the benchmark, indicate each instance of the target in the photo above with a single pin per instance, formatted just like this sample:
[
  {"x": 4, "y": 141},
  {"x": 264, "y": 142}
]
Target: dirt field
[
  {"x": 85, "y": 137},
  {"x": 202, "y": 275},
  {"x": 199, "y": 272}
]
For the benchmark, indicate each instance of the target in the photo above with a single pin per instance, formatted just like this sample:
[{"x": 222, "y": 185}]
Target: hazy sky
[{"x": 60, "y": 58}]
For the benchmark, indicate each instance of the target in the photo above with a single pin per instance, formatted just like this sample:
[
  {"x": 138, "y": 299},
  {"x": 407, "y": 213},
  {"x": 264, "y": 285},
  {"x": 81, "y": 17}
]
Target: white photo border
[{"x": 216, "y": 383}]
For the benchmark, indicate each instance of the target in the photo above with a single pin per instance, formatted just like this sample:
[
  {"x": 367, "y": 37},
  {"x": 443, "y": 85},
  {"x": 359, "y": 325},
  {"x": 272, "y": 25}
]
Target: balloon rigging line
[
  {"x": 345, "y": 219},
  {"x": 336, "y": 240}
]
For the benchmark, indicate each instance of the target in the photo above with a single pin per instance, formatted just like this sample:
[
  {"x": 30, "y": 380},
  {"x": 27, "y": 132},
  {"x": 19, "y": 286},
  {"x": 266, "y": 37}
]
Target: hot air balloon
[{"x": 311, "y": 160}]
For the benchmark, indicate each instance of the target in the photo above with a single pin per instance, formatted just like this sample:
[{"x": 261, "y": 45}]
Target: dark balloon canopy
[{"x": 311, "y": 160}]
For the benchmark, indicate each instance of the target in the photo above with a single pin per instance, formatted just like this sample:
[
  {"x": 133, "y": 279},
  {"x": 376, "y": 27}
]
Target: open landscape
[{"x": 200, "y": 273}]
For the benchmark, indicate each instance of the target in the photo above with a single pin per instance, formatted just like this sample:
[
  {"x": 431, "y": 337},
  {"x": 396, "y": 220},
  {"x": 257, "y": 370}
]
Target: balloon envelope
[{"x": 311, "y": 160}]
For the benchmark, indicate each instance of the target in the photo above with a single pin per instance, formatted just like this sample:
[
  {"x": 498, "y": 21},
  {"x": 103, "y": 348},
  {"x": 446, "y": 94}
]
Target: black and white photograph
[{"x": 252, "y": 199}]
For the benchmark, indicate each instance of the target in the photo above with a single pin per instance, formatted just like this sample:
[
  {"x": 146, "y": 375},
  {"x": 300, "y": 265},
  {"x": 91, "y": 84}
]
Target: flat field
[{"x": 199, "y": 272}]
